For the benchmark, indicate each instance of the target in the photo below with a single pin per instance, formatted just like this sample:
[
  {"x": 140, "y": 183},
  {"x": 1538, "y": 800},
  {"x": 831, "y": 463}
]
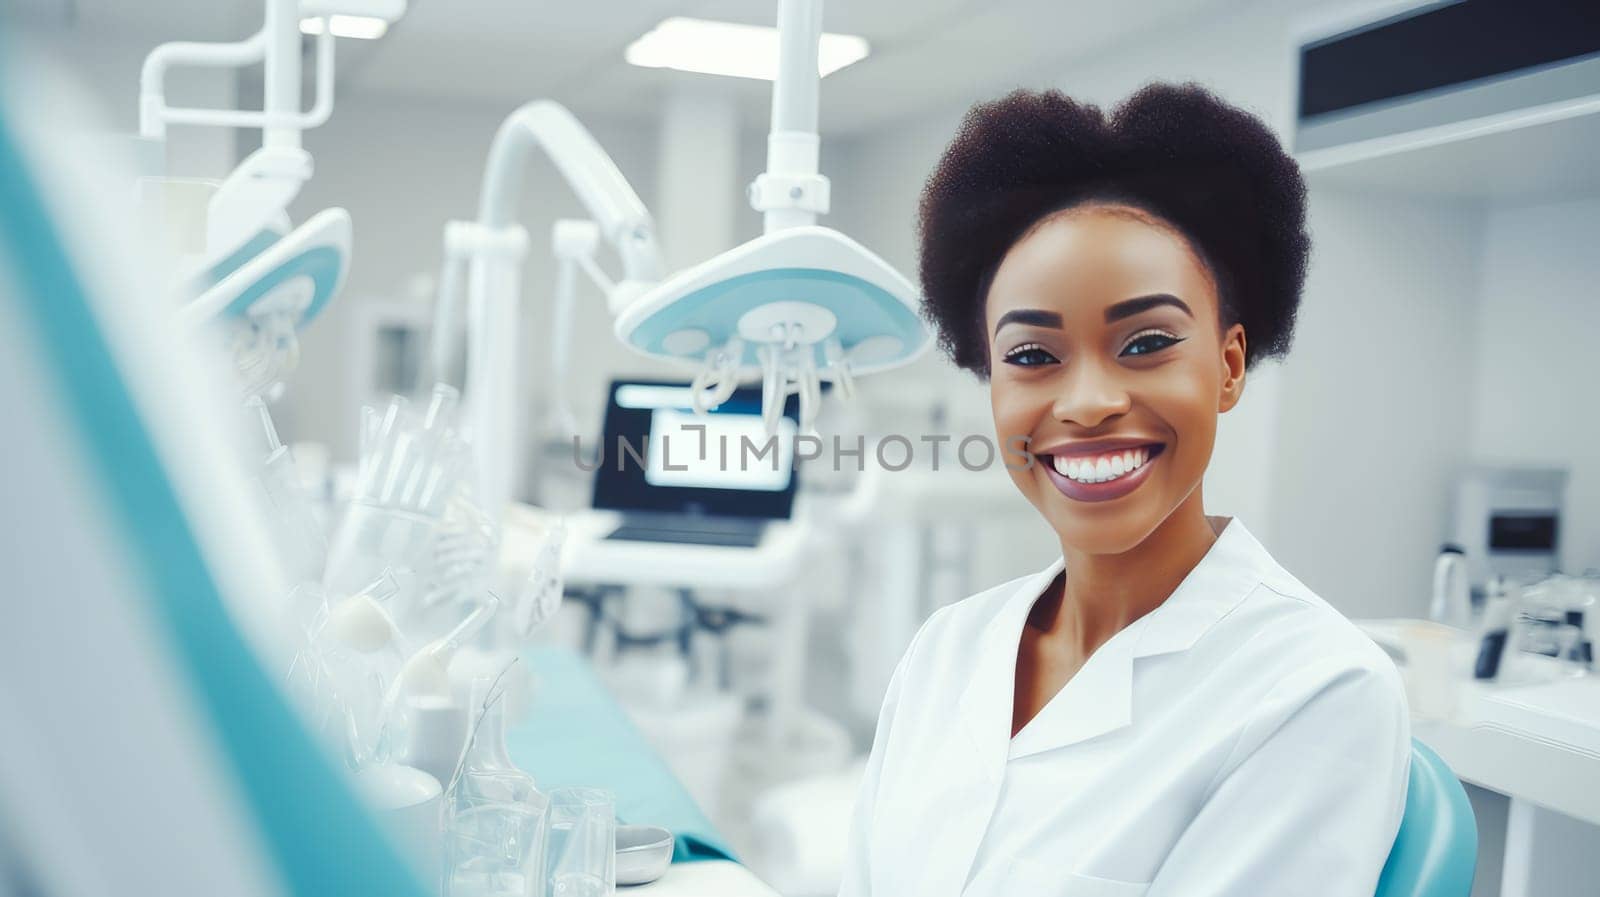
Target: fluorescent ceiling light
[
  {"x": 359, "y": 27},
  {"x": 737, "y": 51}
]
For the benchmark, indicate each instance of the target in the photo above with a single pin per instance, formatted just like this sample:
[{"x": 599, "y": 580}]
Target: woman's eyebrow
[
  {"x": 1036, "y": 316},
  {"x": 1127, "y": 308}
]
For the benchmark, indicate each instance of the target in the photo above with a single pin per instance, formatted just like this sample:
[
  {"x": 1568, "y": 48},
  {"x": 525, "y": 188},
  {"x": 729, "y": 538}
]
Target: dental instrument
[
  {"x": 427, "y": 671},
  {"x": 299, "y": 532},
  {"x": 361, "y": 621}
]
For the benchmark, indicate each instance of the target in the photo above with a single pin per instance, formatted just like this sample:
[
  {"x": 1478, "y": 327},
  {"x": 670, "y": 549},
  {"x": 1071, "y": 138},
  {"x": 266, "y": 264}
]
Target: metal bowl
[{"x": 643, "y": 853}]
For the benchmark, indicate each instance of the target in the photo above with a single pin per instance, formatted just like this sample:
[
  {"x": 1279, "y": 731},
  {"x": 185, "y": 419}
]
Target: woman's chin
[{"x": 1101, "y": 529}]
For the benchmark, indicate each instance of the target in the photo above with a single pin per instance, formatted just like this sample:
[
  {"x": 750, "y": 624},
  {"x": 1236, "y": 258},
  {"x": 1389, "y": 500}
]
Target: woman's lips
[{"x": 1101, "y": 475}]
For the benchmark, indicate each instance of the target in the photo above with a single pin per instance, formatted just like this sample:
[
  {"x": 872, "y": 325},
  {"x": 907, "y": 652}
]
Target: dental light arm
[
  {"x": 254, "y": 196},
  {"x": 584, "y": 165},
  {"x": 791, "y": 192},
  {"x": 491, "y": 252}
]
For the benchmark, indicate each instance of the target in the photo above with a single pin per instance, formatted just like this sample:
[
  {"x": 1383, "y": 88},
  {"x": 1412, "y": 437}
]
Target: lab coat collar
[{"x": 1099, "y": 697}]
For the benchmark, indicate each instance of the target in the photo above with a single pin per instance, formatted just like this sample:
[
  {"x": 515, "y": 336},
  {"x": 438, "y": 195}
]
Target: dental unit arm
[{"x": 490, "y": 252}]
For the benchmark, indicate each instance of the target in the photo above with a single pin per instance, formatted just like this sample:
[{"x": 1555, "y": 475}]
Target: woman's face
[{"x": 1107, "y": 354}]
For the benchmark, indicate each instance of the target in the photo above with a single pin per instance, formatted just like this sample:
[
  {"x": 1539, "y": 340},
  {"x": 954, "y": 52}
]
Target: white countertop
[
  {"x": 709, "y": 878},
  {"x": 1538, "y": 741}
]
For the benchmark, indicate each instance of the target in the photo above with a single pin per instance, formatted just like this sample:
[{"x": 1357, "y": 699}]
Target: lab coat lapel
[
  {"x": 983, "y": 713},
  {"x": 1098, "y": 699},
  {"x": 984, "y": 708},
  {"x": 1234, "y": 566}
]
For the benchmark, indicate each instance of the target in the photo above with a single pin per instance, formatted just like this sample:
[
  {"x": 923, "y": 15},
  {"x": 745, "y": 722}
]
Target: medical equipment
[
  {"x": 1508, "y": 519},
  {"x": 299, "y": 532},
  {"x": 490, "y": 251},
  {"x": 407, "y": 512},
  {"x": 264, "y": 277},
  {"x": 679, "y": 477},
  {"x": 1451, "y": 603},
  {"x": 427, "y": 671},
  {"x": 800, "y": 306},
  {"x": 582, "y": 845},
  {"x": 361, "y": 623},
  {"x": 496, "y": 819},
  {"x": 643, "y": 853}
]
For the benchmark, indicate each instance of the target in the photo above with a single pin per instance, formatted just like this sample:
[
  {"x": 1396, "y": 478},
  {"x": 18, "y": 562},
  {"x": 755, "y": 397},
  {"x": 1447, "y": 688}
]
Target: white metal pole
[
  {"x": 281, "y": 73},
  {"x": 792, "y": 144}
]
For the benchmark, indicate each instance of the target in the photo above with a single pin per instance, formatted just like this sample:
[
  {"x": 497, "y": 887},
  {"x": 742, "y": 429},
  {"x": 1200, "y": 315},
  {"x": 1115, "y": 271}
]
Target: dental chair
[{"x": 1436, "y": 849}]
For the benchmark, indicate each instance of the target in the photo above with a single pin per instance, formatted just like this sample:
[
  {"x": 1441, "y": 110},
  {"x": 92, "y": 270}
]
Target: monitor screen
[{"x": 657, "y": 455}]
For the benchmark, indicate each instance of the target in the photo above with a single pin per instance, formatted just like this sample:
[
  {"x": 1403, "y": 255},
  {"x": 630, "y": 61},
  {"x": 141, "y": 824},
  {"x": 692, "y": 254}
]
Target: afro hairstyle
[{"x": 1211, "y": 171}]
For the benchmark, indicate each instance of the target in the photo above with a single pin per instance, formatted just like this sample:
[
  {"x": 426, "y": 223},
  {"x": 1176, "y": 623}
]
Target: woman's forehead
[{"x": 1089, "y": 258}]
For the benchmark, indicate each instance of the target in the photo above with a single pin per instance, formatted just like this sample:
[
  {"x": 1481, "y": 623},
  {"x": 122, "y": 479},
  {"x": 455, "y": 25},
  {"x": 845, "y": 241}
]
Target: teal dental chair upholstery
[{"x": 1436, "y": 849}]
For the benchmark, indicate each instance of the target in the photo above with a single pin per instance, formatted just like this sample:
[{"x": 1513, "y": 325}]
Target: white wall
[
  {"x": 107, "y": 71},
  {"x": 1535, "y": 399},
  {"x": 1373, "y": 421}
]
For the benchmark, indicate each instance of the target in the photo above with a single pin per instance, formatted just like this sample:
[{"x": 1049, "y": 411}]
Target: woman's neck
[{"x": 1103, "y": 594}]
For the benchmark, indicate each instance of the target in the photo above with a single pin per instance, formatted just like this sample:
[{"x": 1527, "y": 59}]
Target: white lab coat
[{"x": 1242, "y": 740}]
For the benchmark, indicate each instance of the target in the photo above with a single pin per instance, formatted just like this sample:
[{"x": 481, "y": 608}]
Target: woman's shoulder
[{"x": 1300, "y": 648}]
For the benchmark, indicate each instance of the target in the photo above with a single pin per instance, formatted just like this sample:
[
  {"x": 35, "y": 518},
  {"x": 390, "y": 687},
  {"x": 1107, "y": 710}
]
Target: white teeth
[{"x": 1101, "y": 469}]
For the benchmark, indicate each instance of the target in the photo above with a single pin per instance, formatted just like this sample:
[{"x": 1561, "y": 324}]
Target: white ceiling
[{"x": 506, "y": 51}]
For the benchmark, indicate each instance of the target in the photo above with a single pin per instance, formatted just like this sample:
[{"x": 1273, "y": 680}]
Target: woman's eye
[
  {"x": 1146, "y": 343},
  {"x": 1029, "y": 356}
]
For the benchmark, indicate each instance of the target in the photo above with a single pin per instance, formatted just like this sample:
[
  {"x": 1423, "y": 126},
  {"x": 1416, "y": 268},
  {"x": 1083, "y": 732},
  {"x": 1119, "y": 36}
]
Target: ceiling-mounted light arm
[
  {"x": 493, "y": 387},
  {"x": 277, "y": 48},
  {"x": 791, "y": 193}
]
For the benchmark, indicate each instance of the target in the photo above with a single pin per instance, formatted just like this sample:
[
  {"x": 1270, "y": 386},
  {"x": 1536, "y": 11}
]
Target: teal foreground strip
[
  {"x": 577, "y": 735},
  {"x": 321, "y": 840}
]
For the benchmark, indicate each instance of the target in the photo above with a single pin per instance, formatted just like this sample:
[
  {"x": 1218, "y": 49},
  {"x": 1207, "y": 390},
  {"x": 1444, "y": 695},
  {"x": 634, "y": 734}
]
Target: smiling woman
[{"x": 1165, "y": 710}]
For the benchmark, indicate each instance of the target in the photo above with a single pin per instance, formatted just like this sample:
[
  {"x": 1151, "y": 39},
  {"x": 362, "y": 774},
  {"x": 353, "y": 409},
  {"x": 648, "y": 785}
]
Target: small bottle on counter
[{"x": 1496, "y": 627}]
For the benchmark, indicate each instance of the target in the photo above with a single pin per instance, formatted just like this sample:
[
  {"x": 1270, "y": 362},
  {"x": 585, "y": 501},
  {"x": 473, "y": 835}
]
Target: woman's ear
[{"x": 1233, "y": 356}]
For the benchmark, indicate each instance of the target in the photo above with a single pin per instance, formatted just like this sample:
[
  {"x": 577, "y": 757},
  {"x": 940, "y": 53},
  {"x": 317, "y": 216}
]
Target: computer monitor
[{"x": 658, "y": 459}]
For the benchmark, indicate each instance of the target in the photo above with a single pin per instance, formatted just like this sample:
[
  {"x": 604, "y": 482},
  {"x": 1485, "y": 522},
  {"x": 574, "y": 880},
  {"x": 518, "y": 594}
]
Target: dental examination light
[
  {"x": 799, "y": 305},
  {"x": 256, "y": 267}
]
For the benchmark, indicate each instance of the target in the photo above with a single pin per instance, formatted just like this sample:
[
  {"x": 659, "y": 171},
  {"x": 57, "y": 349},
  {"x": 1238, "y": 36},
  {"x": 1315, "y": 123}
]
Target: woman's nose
[{"x": 1090, "y": 396}]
